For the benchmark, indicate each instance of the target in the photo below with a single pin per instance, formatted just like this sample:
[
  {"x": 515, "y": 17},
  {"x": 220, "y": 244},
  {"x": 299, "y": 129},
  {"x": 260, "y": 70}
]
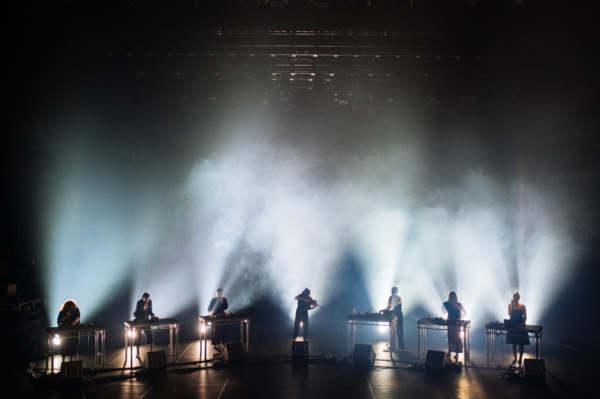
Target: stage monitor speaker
[
  {"x": 300, "y": 352},
  {"x": 71, "y": 371},
  {"x": 436, "y": 361},
  {"x": 364, "y": 355},
  {"x": 534, "y": 369},
  {"x": 233, "y": 352},
  {"x": 156, "y": 362}
]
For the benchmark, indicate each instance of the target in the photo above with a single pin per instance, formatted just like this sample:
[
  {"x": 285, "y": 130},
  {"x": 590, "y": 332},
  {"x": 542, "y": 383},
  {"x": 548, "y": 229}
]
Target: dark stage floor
[{"x": 570, "y": 374}]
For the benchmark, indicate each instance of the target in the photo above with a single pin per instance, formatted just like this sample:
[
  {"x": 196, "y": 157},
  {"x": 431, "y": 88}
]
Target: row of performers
[
  {"x": 70, "y": 316},
  {"x": 452, "y": 308}
]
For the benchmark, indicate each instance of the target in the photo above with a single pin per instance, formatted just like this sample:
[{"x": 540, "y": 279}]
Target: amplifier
[
  {"x": 300, "y": 352},
  {"x": 436, "y": 361},
  {"x": 233, "y": 352},
  {"x": 71, "y": 371},
  {"x": 534, "y": 369},
  {"x": 364, "y": 355},
  {"x": 156, "y": 362}
]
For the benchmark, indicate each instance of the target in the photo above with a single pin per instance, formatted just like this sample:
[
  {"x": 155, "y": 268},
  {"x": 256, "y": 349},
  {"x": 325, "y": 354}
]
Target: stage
[{"x": 269, "y": 373}]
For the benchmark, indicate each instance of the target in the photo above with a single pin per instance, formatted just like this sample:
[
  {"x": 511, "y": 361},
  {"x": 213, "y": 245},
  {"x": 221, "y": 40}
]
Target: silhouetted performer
[
  {"x": 218, "y": 305},
  {"x": 143, "y": 311},
  {"x": 455, "y": 311},
  {"x": 305, "y": 303},
  {"x": 69, "y": 316},
  {"x": 395, "y": 305},
  {"x": 518, "y": 315}
]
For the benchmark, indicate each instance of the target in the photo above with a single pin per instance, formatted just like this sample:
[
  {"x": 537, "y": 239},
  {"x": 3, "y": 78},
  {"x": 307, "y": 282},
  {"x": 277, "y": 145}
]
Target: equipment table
[
  {"x": 213, "y": 321},
  {"x": 441, "y": 324},
  {"x": 84, "y": 330},
  {"x": 496, "y": 328},
  {"x": 370, "y": 319},
  {"x": 135, "y": 326}
]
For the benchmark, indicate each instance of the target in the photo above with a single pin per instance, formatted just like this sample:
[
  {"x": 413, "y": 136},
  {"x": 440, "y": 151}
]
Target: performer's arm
[
  {"x": 150, "y": 312},
  {"x": 224, "y": 305},
  {"x": 524, "y": 316},
  {"x": 463, "y": 311},
  {"x": 211, "y": 306},
  {"x": 509, "y": 308},
  {"x": 299, "y": 298},
  {"x": 64, "y": 318}
]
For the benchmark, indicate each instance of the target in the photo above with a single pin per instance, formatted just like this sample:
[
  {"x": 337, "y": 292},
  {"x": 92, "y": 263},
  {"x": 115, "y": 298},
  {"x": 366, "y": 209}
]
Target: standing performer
[
  {"x": 143, "y": 311},
  {"x": 395, "y": 305},
  {"x": 518, "y": 315},
  {"x": 305, "y": 303},
  {"x": 218, "y": 305},
  {"x": 455, "y": 311},
  {"x": 69, "y": 316}
]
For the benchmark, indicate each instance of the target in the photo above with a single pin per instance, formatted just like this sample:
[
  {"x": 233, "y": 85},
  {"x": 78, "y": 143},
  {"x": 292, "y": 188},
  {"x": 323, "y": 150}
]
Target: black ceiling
[{"x": 366, "y": 53}]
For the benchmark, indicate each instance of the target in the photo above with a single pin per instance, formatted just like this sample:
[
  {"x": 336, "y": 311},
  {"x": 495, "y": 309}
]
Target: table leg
[
  {"x": 103, "y": 348},
  {"x": 96, "y": 354},
  {"x": 391, "y": 341},
  {"x": 46, "y": 353},
  {"x": 126, "y": 344},
  {"x": 469, "y": 344},
  {"x": 537, "y": 344},
  {"x": 487, "y": 347},
  {"x": 247, "y": 336},
  {"x": 131, "y": 352},
  {"x": 52, "y": 354},
  {"x": 424, "y": 340},
  {"x": 395, "y": 346},
  {"x": 348, "y": 338},
  {"x": 353, "y": 337},
  {"x": 418, "y": 342},
  {"x": 464, "y": 331},
  {"x": 492, "y": 345},
  {"x": 171, "y": 348},
  {"x": 541, "y": 356}
]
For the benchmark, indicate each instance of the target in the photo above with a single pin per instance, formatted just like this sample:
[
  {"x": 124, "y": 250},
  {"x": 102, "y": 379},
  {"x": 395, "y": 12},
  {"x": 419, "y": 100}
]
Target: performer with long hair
[
  {"x": 69, "y": 316},
  {"x": 455, "y": 311},
  {"x": 518, "y": 315},
  {"x": 305, "y": 303}
]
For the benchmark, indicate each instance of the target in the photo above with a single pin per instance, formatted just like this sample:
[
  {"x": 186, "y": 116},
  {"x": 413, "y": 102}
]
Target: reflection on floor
[{"x": 268, "y": 373}]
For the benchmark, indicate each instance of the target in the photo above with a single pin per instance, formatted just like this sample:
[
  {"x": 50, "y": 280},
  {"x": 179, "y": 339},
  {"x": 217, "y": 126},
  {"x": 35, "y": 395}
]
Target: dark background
[{"x": 154, "y": 76}]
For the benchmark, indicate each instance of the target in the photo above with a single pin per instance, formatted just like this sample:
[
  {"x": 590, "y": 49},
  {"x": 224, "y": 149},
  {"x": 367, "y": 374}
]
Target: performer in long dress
[
  {"x": 143, "y": 311},
  {"x": 305, "y": 303},
  {"x": 218, "y": 305},
  {"x": 518, "y": 315},
  {"x": 69, "y": 316},
  {"x": 455, "y": 311},
  {"x": 395, "y": 305}
]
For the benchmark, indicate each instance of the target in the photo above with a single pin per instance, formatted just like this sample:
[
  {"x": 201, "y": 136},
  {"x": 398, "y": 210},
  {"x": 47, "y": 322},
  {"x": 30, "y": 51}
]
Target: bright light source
[
  {"x": 383, "y": 328},
  {"x": 203, "y": 328},
  {"x": 300, "y": 324},
  {"x": 56, "y": 340}
]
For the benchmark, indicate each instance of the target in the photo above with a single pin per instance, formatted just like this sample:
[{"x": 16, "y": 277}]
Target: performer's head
[
  {"x": 305, "y": 293},
  {"x": 452, "y": 297},
  {"x": 146, "y": 297},
  {"x": 394, "y": 290},
  {"x": 219, "y": 292},
  {"x": 69, "y": 304},
  {"x": 516, "y": 297}
]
